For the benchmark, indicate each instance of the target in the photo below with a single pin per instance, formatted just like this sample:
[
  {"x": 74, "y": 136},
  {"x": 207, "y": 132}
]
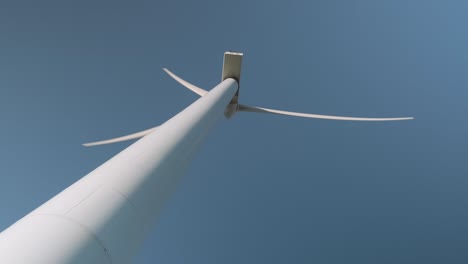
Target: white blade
[
  {"x": 246, "y": 108},
  {"x": 120, "y": 139},
  {"x": 190, "y": 86}
]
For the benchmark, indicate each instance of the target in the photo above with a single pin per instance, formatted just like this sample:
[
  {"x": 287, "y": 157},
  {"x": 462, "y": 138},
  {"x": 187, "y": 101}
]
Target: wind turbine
[{"x": 105, "y": 216}]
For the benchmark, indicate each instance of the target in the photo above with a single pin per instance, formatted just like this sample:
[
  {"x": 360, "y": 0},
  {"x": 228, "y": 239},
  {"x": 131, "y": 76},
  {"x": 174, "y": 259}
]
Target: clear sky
[{"x": 263, "y": 189}]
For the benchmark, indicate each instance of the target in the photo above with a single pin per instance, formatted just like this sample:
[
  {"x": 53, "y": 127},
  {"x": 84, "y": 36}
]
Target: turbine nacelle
[
  {"x": 232, "y": 69},
  {"x": 232, "y": 66}
]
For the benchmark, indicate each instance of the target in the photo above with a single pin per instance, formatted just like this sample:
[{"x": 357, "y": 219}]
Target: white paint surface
[{"x": 103, "y": 218}]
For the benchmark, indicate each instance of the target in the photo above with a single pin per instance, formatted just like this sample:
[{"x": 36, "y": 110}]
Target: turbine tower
[{"x": 105, "y": 216}]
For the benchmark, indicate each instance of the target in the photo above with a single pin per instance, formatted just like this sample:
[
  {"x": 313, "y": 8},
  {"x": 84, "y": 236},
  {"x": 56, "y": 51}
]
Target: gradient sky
[{"x": 264, "y": 188}]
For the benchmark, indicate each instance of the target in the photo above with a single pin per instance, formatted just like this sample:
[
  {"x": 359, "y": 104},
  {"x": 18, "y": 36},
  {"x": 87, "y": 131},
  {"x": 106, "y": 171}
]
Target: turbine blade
[
  {"x": 255, "y": 109},
  {"x": 188, "y": 85},
  {"x": 120, "y": 139}
]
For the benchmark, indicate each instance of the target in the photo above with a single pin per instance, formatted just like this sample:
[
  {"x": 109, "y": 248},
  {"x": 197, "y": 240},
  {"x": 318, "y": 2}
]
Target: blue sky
[{"x": 263, "y": 189}]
